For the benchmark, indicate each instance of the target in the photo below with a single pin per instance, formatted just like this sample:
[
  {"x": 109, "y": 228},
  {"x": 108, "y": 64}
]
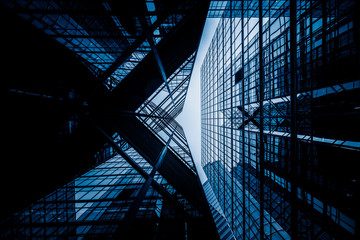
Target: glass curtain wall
[{"x": 280, "y": 90}]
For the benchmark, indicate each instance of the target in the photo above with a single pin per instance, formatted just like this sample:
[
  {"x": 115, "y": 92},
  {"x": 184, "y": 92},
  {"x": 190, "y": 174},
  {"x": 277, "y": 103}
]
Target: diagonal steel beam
[
  {"x": 160, "y": 189},
  {"x": 131, "y": 213},
  {"x": 250, "y": 118},
  {"x": 150, "y": 39},
  {"x": 116, "y": 64}
]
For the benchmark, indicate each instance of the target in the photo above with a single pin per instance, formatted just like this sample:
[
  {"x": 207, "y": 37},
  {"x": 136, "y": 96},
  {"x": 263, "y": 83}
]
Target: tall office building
[
  {"x": 280, "y": 104},
  {"x": 221, "y": 222},
  {"x": 93, "y": 149}
]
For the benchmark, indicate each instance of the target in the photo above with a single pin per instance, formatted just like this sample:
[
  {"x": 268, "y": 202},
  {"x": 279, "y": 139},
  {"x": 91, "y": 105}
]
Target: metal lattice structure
[
  {"x": 107, "y": 35},
  {"x": 160, "y": 104},
  {"x": 104, "y": 83},
  {"x": 97, "y": 204}
]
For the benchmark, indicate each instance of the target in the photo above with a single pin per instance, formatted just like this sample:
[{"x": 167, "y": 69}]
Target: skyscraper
[
  {"x": 280, "y": 135},
  {"x": 220, "y": 220},
  {"x": 93, "y": 147}
]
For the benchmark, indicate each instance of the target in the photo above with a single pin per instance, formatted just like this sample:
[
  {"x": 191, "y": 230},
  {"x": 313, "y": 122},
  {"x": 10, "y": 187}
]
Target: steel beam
[
  {"x": 128, "y": 52},
  {"x": 131, "y": 213},
  {"x": 162, "y": 191},
  {"x": 150, "y": 39}
]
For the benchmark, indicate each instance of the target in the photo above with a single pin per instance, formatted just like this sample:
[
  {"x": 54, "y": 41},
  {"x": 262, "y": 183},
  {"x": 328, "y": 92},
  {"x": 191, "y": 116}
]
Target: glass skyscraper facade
[
  {"x": 280, "y": 111},
  {"x": 222, "y": 225}
]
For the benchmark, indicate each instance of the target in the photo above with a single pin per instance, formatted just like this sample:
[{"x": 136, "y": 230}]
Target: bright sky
[{"x": 190, "y": 118}]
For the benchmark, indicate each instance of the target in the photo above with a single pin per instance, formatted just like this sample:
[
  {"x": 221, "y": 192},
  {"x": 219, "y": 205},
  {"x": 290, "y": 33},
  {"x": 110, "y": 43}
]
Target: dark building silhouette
[
  {"x": 280, "y": 112},
  {"x": 93, "y": 148}
]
